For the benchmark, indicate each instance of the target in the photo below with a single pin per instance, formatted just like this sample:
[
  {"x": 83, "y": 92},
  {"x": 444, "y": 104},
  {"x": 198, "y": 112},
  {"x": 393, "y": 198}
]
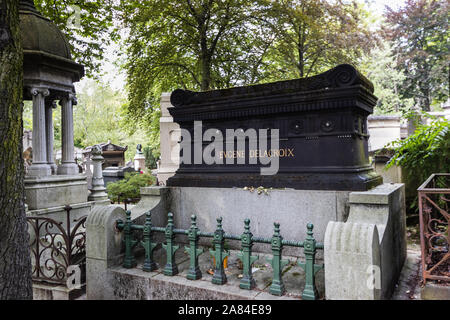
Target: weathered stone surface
[
  {"x": 293, "y": 209},
  {"x": 385, "y": 207},
  {"x": 103, "y": 249},
  {"x": 54, "y": 191},
  {"x": 43, "y": 291},
  {"x": 351, "y": 249},
  {"x": 169, "y": 133},
  {"x": 135, "y": 284},
  {"x": 154, "y": 199},
  {"x": 380, "y": 213}
]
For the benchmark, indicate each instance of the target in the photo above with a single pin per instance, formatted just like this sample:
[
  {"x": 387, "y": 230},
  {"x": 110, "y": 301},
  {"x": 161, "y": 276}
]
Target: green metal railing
[{"x": 219, "y": 236}]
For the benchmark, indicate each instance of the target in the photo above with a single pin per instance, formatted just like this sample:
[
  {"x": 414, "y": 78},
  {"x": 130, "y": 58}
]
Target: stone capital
[
  {"x": 73, "y": 97},
  {"x": 69, "y": 97},
  {"x": 42, "y": 91}
]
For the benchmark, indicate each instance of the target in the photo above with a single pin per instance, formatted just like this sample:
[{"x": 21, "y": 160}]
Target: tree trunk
[
  {"x": 15, "y": 265},
  {"x": 205, "y": 64},
  {"x": 301, "y": 62},
  {"x": 206, "y": 73}
]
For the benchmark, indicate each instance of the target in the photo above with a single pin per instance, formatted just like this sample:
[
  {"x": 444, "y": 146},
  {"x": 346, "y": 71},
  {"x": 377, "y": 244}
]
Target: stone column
[
  {"x": 68, "y": 165},
  {"x": 39, "y": 166},
  {"x": 49, "y": 106},
  {"x": 98, "y": 185}
]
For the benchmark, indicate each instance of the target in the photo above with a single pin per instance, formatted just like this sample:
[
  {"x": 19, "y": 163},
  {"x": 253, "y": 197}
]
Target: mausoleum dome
[
  {"x": 47, "y": 61},
  {"x": 39, "y": 34}
]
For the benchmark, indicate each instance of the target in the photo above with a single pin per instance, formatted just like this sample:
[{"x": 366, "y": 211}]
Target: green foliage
[
  {"x": 150, "y": 158},
  {"x": 196, "y": 45},
  {"x": 425, "y": 152},
  {"x": 98, "y": 117},
  {"x": 214, "y": 44},
  {"x": 129, "y": 187},
  {"x": 88, "y": 25},
  {"x": 419, "y": 33},
  {"x": 314, "y": 36},
  {"x": 380, "y": 66}
]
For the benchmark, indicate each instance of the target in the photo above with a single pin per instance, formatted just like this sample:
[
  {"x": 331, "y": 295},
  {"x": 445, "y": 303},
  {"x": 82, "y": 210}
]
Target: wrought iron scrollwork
[
  {"x": 434, "y": 205},
  {"x": 54, "y": 247}
]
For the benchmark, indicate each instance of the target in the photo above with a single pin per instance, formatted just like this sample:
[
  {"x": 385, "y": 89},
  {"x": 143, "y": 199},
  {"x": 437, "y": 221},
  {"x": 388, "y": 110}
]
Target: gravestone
[{"x": 322, "y": 126}]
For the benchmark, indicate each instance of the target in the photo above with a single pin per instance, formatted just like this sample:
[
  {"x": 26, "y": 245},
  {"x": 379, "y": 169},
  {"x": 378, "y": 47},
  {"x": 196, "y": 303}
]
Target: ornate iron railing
[
  {"x": 55, "y": 248},
  {"x": 434, "y": 214},
  {"x": 219, "y": 253}
]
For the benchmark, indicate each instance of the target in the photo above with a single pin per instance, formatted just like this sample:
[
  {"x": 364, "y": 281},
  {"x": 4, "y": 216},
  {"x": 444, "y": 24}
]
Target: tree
[
  {"x": 419, "y": 31},
  {"x": 313, "y": 36},
  {"x": 98, "y": 118},
  {"x": 380, "y": 66},
  {"x": 88, "y": 25},
  {"x": 194, "y": 44},
  {"x": 15, "y": 263}
]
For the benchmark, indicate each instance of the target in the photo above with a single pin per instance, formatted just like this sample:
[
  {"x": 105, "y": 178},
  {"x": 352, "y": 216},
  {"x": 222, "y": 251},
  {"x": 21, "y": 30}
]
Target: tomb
[{"x": 322, "y": 123}]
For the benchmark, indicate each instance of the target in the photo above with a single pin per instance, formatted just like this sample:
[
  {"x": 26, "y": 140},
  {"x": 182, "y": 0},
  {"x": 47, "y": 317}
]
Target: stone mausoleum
[{"x": 49, "y": 74}]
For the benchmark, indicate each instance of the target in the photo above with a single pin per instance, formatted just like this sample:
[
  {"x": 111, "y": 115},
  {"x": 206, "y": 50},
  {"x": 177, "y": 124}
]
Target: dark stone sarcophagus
[{"x": 322, "y": 134}]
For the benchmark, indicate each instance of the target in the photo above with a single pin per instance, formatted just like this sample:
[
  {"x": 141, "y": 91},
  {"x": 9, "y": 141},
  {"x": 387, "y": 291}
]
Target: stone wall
[
  {"x": 293, "y": 209},
  {"x": 365, "y": 254},
  {"x": 371, "y": 234}
]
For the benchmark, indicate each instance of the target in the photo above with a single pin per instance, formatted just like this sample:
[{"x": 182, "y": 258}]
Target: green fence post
[
  {"x": 149, "y": 246},
  {"x": 247, "y": 281},
  {"x": 277, "y": 287},
  {"x": 171, "y": 268},
  {"x": 129, "y": 261},
  {"x": 194, "y": 272},
  {"x": 219, "y": 254},
  {"x": 310, "y": 249}
]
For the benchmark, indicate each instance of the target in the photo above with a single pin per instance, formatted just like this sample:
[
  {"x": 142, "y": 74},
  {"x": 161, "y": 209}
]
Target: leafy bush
[
  {"x": 129, "y": 187},
  {"x": 425, "y": 152}
]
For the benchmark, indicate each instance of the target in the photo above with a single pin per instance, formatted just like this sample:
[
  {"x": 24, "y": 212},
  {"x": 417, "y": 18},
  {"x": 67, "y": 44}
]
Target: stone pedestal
[
  {"x": 53, "y": 191},
  {"x": 139, "y": 162},
  {"x": 98, "y": 185}
]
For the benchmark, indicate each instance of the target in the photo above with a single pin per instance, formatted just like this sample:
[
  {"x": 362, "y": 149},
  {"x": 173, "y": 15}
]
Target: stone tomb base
[
  {"x": 54, "y": 191},
  {"x": 293, "y": 209},
  {"x": 135, "y": 284}
]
